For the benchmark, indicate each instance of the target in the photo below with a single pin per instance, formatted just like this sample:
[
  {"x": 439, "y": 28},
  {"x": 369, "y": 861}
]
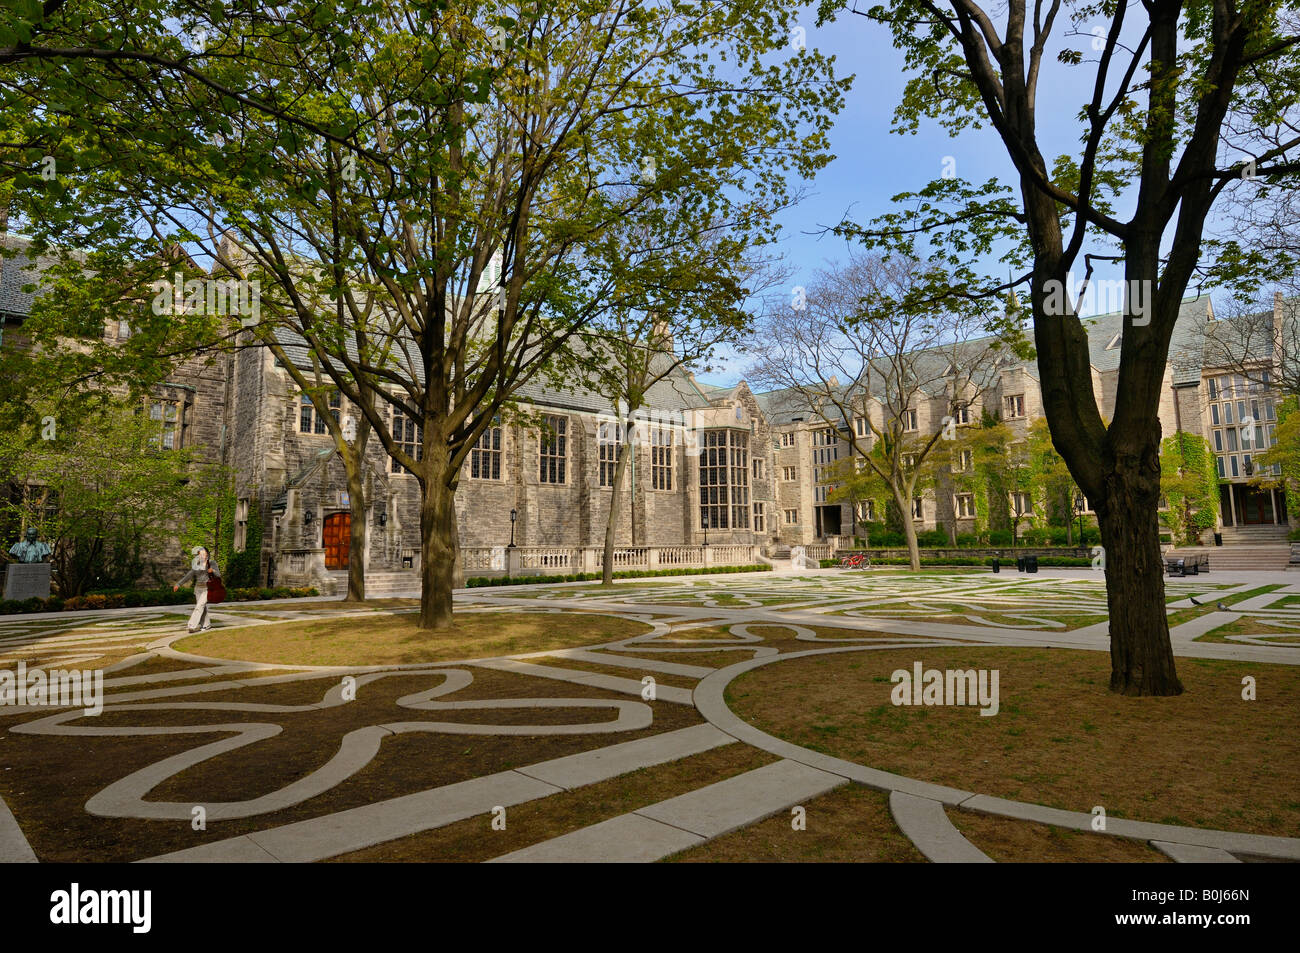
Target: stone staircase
[
  {"x": 1245, "y": 547},
  {"x": 1254, "y": 535},
  {"x": 379, "y": 585}
]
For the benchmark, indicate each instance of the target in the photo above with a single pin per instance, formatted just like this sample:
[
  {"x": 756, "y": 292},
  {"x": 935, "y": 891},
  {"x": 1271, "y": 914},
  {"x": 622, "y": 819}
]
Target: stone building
[{"x": 716, "y": 465}]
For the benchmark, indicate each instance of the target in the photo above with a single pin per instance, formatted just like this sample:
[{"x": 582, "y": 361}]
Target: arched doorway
[{"x": 337, "y": 537}]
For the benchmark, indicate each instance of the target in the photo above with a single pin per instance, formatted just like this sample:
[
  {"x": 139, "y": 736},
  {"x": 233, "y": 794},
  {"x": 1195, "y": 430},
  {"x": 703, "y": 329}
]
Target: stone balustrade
[{"x": 570, "y": 560}]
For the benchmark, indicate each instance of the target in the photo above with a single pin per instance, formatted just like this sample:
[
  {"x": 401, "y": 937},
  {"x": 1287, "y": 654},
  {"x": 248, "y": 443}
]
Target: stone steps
[
  {"x": 379, "y": 584},
  {"x": 1238, "y": 556}
]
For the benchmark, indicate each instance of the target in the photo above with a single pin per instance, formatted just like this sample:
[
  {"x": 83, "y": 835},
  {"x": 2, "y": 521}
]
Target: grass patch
[
  {"x": 1060, "y": 738},
  {"x": 1010, "y": 841},
  {"x": 849, "y": 824},
  {"x": 1180, "y": 616},
  {"x": 387, "y": 639}
]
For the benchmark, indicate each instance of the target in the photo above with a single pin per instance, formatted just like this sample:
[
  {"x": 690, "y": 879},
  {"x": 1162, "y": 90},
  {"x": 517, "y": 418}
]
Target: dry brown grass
[
  {"x": 1009, "y": 841},
  {"x": 851, "y": 824},
  {"x": 386, "y": 639},
  {"x": 46, "y": 781},
  {"x": 1205, "y": 758},
  {"x": 530, "y": 823}
]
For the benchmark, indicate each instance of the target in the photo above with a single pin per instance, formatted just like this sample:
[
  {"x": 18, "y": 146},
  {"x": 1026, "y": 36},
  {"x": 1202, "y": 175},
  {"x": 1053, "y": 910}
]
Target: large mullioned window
[
  {"x": 554, "y": 449},
  {"x": 724, "y": 480}
]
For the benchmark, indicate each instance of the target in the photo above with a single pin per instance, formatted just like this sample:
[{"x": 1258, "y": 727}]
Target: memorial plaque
[{"x": 27, "y": 580}]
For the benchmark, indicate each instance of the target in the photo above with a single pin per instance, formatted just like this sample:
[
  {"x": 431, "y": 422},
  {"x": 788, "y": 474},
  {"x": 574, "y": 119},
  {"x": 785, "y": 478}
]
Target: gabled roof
[
  {"x": 674, "y": 393},
  {"x": 1186, "y": 347}
]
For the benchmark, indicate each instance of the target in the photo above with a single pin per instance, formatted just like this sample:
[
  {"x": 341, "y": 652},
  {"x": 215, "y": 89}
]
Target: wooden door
[{"x": 338, "y": 536}]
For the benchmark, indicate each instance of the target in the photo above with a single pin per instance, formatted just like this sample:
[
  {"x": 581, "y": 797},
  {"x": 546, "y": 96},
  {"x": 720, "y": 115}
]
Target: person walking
[{"x": 201, "y": 570}]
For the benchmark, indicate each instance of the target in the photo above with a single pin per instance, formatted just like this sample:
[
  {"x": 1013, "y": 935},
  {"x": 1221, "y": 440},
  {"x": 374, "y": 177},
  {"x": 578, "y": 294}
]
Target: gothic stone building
[{"x": 710, "y": 464}]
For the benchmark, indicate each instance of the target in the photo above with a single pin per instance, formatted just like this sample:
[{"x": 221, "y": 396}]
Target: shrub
[
  {"x": 1000, "y": 537},
  {"x": 933, "y": 538},
  {"x": 968, "y": 539},
  {"x": 476, "y": 582}
]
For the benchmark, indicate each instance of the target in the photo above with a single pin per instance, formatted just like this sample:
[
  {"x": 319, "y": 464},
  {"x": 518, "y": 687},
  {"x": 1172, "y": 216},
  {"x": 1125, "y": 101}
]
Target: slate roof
[
  {"x": 676, "y": 392},
  {"x": 1186, "y": 347},
  {"x": 19, "y": 271}
]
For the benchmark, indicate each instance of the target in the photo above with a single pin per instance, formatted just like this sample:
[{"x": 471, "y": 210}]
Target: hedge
[
  {"x": 1047, "y": 561},
  {"x": 136, "y": 598},
  {"x": 480, "y": 581}
]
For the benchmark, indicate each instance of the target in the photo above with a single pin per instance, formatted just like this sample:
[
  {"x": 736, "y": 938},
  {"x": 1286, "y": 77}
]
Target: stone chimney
[{"x": 661, "y": 333}]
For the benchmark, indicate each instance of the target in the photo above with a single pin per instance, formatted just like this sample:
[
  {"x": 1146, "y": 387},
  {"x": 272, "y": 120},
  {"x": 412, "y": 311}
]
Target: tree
[
  {"x": 1279, "y": 465},
  {"x": 1211, "y": 74},
  {"x": 495, "y": 146},
  {"x": 700, "y": 274},
  {"x": 104, "y": 492},
  {"x": 1059, "y": 488},
  {"x": 1260, "y": 341},
  {"x": 850, "y": 325}
]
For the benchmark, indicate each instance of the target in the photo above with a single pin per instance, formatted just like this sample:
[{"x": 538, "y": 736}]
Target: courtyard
[{"x": 749, "y": 717}]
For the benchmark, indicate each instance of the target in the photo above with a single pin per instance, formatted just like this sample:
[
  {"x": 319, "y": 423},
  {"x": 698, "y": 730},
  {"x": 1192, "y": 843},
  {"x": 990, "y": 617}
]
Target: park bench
[{"x": 1187, "y": 565}]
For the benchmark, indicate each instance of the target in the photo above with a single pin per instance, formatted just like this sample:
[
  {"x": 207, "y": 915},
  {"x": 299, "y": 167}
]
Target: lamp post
[
  {"x": 1078, "y": 508},
  {"x": 514, "y": 515}
]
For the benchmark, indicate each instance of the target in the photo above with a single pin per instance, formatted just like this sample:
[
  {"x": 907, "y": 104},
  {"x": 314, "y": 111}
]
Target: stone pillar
[
  {"x": 708, "y": 556},
  {"x": 652, "y": 558},
  {"x": 514, "y": 561}
]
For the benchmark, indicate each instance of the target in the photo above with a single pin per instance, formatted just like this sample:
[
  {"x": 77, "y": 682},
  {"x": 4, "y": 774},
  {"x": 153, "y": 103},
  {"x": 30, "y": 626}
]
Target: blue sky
[{"x": 872, "y": 165}]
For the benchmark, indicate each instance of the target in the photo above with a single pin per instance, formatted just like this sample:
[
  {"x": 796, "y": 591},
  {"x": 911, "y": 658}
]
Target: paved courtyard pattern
[{"x": 153, "y": 690}]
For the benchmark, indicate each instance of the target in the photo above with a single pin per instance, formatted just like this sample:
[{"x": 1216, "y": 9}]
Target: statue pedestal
[{"x": 27, "y": 580}]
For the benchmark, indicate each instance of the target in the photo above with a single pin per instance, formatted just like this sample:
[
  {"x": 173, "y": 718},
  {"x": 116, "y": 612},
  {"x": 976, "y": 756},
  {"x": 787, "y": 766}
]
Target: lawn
[
  {"x": 387, "y": 639},
  {"x": 1206, "y": 758}
]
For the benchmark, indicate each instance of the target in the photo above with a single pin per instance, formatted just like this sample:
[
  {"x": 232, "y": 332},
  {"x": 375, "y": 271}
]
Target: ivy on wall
[{"x": 1190, "y": 484}]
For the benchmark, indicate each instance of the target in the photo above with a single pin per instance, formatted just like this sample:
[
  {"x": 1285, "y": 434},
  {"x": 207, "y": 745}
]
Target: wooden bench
[{"x": 1187, "y": 565}]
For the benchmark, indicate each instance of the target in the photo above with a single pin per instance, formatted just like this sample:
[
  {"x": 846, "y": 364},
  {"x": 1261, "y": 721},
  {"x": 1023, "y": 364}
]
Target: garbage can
[
  {"x": 997, "y": 564},
  {"x": 1031, "y": 564},
  {"x": 1020, "y": 564},
  {"x": 1218, "y": 539}
]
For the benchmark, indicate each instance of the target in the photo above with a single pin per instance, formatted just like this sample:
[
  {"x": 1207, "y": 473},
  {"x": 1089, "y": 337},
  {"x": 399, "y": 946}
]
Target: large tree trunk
[
  {"x": 611, "y": 524},
  {"x": 1142, "y": 659},
  {"x": 438, "y": 545},
  {"x": 359, "y": 531}
]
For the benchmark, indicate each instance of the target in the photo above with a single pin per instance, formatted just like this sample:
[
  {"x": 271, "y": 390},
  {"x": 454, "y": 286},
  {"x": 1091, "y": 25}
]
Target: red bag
[{"x": 216, "y": 590}]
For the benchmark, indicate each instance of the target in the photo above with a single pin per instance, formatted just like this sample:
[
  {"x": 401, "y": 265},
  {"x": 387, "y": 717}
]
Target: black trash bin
[
  {"x": 1020, "y": 564},
  {"x": 1218, "y": 539},
  {"x": 997, "y": 564},
  {"x": 1031, "y": 564}
]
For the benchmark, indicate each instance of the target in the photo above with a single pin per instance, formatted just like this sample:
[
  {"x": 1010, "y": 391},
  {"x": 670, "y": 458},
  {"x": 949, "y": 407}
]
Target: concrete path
[
  {"x": 926, "y": 824},
  {"x": 346, "y": 831},
  {"x": 659, "y": 830},
  {"x": 998, "y": 610}
]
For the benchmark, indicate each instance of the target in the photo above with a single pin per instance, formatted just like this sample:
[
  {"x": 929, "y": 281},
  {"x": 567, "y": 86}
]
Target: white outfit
[{"x": 199, "y": 617}]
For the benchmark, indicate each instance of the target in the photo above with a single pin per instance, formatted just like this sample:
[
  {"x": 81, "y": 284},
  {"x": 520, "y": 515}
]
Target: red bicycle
[{"x": 855, "y": 561}]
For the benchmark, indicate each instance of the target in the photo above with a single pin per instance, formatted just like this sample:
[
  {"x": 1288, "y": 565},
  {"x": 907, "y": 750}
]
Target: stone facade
[{"x": 742, "y": 468}]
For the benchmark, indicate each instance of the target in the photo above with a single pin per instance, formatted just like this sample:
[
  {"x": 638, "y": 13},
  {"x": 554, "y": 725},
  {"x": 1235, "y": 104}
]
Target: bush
[
  {"x": 137, "y": 598},
  {"x": 477, "y": 582},
  {"x": 1000, "y": 537},
  {"x": 933, "y": 539}
]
